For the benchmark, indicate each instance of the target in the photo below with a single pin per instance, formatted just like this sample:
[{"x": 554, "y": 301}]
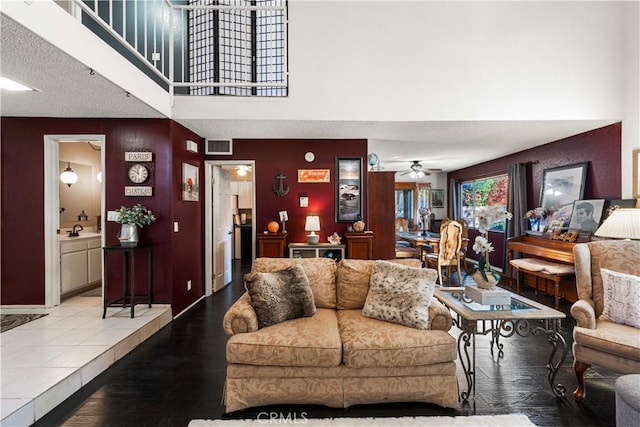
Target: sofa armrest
[
  {"x": 241, "y": 317},
  {"x": 440, "y": 316},
  {"x": 584, "y": 312}
]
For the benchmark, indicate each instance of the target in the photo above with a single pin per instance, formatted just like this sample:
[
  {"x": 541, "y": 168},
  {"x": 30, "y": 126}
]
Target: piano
[{"x": 533, "y": 244}]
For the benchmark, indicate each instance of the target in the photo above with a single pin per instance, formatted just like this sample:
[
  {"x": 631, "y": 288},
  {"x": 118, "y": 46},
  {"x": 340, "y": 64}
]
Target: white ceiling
[{"x": 66, "y": 88}]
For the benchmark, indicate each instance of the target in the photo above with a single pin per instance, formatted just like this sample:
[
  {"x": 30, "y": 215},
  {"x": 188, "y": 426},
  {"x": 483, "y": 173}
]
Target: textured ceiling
[{"x": 66, "y": 88}]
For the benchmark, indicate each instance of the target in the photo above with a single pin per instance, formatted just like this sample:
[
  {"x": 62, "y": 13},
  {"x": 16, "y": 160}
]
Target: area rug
[
  {"x": 298, "y": 419},
  {"x": 10, "y": 321}
]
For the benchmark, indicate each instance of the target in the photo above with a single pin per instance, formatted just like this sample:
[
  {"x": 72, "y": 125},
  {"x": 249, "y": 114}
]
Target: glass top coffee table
[{"x": 523, "y": 317}]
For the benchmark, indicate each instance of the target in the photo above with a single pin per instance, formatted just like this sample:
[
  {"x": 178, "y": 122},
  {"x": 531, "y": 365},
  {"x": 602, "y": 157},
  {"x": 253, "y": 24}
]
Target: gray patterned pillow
[
  {"x": 280, "y": 296},
  {"x": 621, "y": 297},
  {"x": 400, "y": 294}
]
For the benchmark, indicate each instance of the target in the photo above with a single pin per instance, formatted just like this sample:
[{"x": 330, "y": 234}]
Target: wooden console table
[
  {"x": 129, "y": 296},
  {"x": 271, "y": 245}
]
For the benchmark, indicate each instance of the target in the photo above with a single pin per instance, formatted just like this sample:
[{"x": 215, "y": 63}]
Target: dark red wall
[
  {"x": 601, "y": 148},
  {"x": 22, "y": 239},
  {"x": 273, "y": 156}
]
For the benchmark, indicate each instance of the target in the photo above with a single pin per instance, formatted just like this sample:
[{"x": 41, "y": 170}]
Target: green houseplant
[{"x": 132, "y": 218}]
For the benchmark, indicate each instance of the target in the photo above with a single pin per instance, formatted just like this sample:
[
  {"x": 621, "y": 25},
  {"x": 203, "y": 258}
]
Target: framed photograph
[
  {"x": 314, "y": 175},
  {"x": 586, "y": 215},
  {"x": 190, "y": 184},
  {"x": 561, "y": 186},
  {"x": 437, "y": 199},
  {"x": 348, "y": 189},
  {"x": 613, "y": 204},
  {"x": 636, "y": 173}
]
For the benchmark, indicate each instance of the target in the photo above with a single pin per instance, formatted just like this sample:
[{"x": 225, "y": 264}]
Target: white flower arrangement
[
  {"x": 487, "y": 216},
  {"x": 137, "y": 215}
]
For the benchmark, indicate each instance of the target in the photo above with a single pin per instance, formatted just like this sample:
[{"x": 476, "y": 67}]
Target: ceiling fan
[{"x": 416, "y": 170}]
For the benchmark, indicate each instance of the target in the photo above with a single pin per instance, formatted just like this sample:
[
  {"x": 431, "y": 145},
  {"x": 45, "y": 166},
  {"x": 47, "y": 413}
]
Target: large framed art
[
  {"x": 561, "y": 186},
  {"x": 348, "y": 189}
]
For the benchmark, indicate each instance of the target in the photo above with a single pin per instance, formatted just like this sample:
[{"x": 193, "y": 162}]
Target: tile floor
[{"x": 45, "y": 361}]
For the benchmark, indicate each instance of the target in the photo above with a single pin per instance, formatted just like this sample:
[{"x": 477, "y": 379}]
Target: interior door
[{"x": 222, "y": 228}]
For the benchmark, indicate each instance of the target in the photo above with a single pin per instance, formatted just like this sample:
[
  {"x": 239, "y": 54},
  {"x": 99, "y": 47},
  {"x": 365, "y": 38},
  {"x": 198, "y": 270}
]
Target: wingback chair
[
  {"x": 448, "y": 249},
  {"x": 598, "y": 341}
]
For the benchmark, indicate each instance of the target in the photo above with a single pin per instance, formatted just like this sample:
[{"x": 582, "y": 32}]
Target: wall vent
[{"x": 219, "y": 146}]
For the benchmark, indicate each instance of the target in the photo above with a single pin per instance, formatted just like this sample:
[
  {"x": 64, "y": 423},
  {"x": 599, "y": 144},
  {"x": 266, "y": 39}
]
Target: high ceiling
[{"x": 67, "y": 88}]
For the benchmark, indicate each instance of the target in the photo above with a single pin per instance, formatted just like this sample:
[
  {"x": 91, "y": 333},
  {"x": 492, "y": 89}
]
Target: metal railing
[{"x": 198, "y": 47}]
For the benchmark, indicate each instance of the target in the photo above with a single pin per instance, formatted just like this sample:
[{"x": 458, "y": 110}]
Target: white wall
[{"x": 444, "y": 61}]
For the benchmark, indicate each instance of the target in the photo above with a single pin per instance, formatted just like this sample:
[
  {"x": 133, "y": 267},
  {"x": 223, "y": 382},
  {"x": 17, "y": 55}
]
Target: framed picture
[
  {"x": 190, "y": 184},
  {"x": 636, "y": 173},
  {"x": 613, "y": 204},
  {"x": 586, "y": 215},
  {"x": 314, "y": 175},
  {"x": 561, "y": 186},
  {"x": 437, "y": 199},
  {"x": 348, "y": 189}
]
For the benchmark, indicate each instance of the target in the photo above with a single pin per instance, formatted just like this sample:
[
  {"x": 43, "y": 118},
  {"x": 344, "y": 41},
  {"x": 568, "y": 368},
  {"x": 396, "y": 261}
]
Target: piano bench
[{"x": 553, "y": 271}]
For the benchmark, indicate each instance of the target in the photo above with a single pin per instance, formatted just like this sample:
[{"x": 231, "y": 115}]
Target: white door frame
[
  {"x": 209, "y": 212},
  {"x": 52, "y": 206}
]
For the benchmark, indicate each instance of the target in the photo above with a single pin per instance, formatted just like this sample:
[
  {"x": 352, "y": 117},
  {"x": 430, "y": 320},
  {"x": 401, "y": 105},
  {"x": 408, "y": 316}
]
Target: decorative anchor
[{"x": 280, "y": 189}]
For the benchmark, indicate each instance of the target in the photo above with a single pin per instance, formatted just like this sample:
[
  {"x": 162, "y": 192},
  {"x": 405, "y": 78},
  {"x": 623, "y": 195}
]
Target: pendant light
[{"x": 68, "y": 176}]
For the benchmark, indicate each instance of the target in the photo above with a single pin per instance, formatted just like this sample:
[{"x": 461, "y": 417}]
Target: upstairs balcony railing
[{"x": 198, "y": 47}]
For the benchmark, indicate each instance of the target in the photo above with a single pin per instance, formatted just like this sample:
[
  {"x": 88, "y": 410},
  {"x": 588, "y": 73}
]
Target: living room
[{"x": 583, "y": 73}]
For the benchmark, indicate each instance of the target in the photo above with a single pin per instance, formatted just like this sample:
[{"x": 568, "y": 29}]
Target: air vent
[{"x": 219, "y": 146}]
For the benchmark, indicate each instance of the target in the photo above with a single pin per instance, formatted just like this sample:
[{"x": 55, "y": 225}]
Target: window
[{"x": 490, "y": 191}]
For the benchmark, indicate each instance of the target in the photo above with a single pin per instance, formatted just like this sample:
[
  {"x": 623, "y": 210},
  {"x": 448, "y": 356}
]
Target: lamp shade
[
  {"x": 312, "y": 224},
  {"x": 68, "y": 176},
  {"x": 621, "y": 224}
]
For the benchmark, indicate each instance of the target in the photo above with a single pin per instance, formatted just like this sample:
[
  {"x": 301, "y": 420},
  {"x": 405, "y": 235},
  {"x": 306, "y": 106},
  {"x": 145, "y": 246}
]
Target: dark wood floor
[{"x": 178, "y": 375}]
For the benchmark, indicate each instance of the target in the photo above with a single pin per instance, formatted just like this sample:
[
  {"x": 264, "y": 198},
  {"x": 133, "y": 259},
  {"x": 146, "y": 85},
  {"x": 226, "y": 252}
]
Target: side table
[
  {"x": 271, "y": 245},
  {"x": 359, "y": 245},
  {"x": 129, "y": 296}
]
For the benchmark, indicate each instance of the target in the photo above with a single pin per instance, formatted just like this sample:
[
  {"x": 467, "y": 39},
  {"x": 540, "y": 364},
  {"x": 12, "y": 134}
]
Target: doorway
[
  {"x": 229, "y": 215},
  {"x": 52, "y": 215}
]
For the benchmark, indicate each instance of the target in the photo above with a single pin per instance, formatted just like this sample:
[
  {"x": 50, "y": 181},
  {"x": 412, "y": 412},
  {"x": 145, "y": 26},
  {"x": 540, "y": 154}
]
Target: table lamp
[
  {"x": 312, "y": 224},
  {"x": 621, "y": 224}
]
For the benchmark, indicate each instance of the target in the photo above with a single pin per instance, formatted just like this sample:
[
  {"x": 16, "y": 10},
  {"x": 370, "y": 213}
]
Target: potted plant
[
  {"x": 487, "y": 216},
  {"x": 132, "y": 218}
]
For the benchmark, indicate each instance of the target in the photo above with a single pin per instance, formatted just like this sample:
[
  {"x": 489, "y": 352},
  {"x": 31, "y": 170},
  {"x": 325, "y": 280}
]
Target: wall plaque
[{"x": 138, "y": 191}]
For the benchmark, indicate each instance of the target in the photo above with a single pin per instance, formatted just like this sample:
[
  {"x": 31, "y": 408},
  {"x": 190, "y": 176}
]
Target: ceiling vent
[{"x": 219, "y": 146}]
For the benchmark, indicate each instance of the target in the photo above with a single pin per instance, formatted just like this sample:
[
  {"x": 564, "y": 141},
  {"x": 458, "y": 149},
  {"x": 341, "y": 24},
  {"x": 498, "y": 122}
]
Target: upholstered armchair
[{"x": 599, "y": 340}]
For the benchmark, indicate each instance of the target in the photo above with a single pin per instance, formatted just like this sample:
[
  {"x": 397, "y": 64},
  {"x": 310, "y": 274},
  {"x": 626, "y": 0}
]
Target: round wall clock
[
  {"x": 138, "y": 173},
  {"x": 309, "y": 156}
]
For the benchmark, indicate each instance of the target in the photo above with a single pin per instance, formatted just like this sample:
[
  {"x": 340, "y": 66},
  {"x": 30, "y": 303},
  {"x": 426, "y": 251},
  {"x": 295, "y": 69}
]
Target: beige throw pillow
[
  {"x": 280, "y": 296},
  {"x": 400, "y": 294},
  {"x": 621, "y": 297}
]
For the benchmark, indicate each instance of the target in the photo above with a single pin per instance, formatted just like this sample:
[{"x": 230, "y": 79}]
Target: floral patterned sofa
[{"x": 337, "y": 357}]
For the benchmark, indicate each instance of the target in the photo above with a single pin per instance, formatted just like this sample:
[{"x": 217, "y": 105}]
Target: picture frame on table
[
  {"x": 586, "y": 215},
  {"x": 348, "y": 189},
  {"x": 190, "y": 183},
  {"x": 561, "y": 187}
]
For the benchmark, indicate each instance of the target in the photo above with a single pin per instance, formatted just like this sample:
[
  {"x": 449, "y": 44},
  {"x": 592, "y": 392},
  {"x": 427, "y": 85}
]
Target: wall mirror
[{"x": 78, "y": 197}]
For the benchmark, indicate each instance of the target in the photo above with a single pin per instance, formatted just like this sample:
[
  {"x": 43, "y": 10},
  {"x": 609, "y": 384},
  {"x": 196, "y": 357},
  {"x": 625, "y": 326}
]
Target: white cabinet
[
  {"x": 244, "y": 195},
  {"x": 94, "y": 261},
  {"x": 80, "y": 264}
]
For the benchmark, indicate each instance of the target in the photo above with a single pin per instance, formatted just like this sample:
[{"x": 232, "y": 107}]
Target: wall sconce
[
  {"x": 68, "y": 176},
  {"x": 312, "y": 224}
]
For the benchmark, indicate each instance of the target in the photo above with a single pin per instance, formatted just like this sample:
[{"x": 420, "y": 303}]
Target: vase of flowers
[
  {"x": 535, "y": 217},
  {"x": 486, "y": 216},
  {"x": 132, "y": 218}
]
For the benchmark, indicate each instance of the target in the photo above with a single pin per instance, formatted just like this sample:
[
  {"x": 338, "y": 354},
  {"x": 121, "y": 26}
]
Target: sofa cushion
[
  {"x": 400, "y": 294},
  {"x": 307, "y": 341},
  {"x": 321, "y": 273},
  {"x": 371, "y": 343},
  {"x": 280, "y": 296},
  {"x": 621, "y": 297},
  {"x": 352, "y": 281}
]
